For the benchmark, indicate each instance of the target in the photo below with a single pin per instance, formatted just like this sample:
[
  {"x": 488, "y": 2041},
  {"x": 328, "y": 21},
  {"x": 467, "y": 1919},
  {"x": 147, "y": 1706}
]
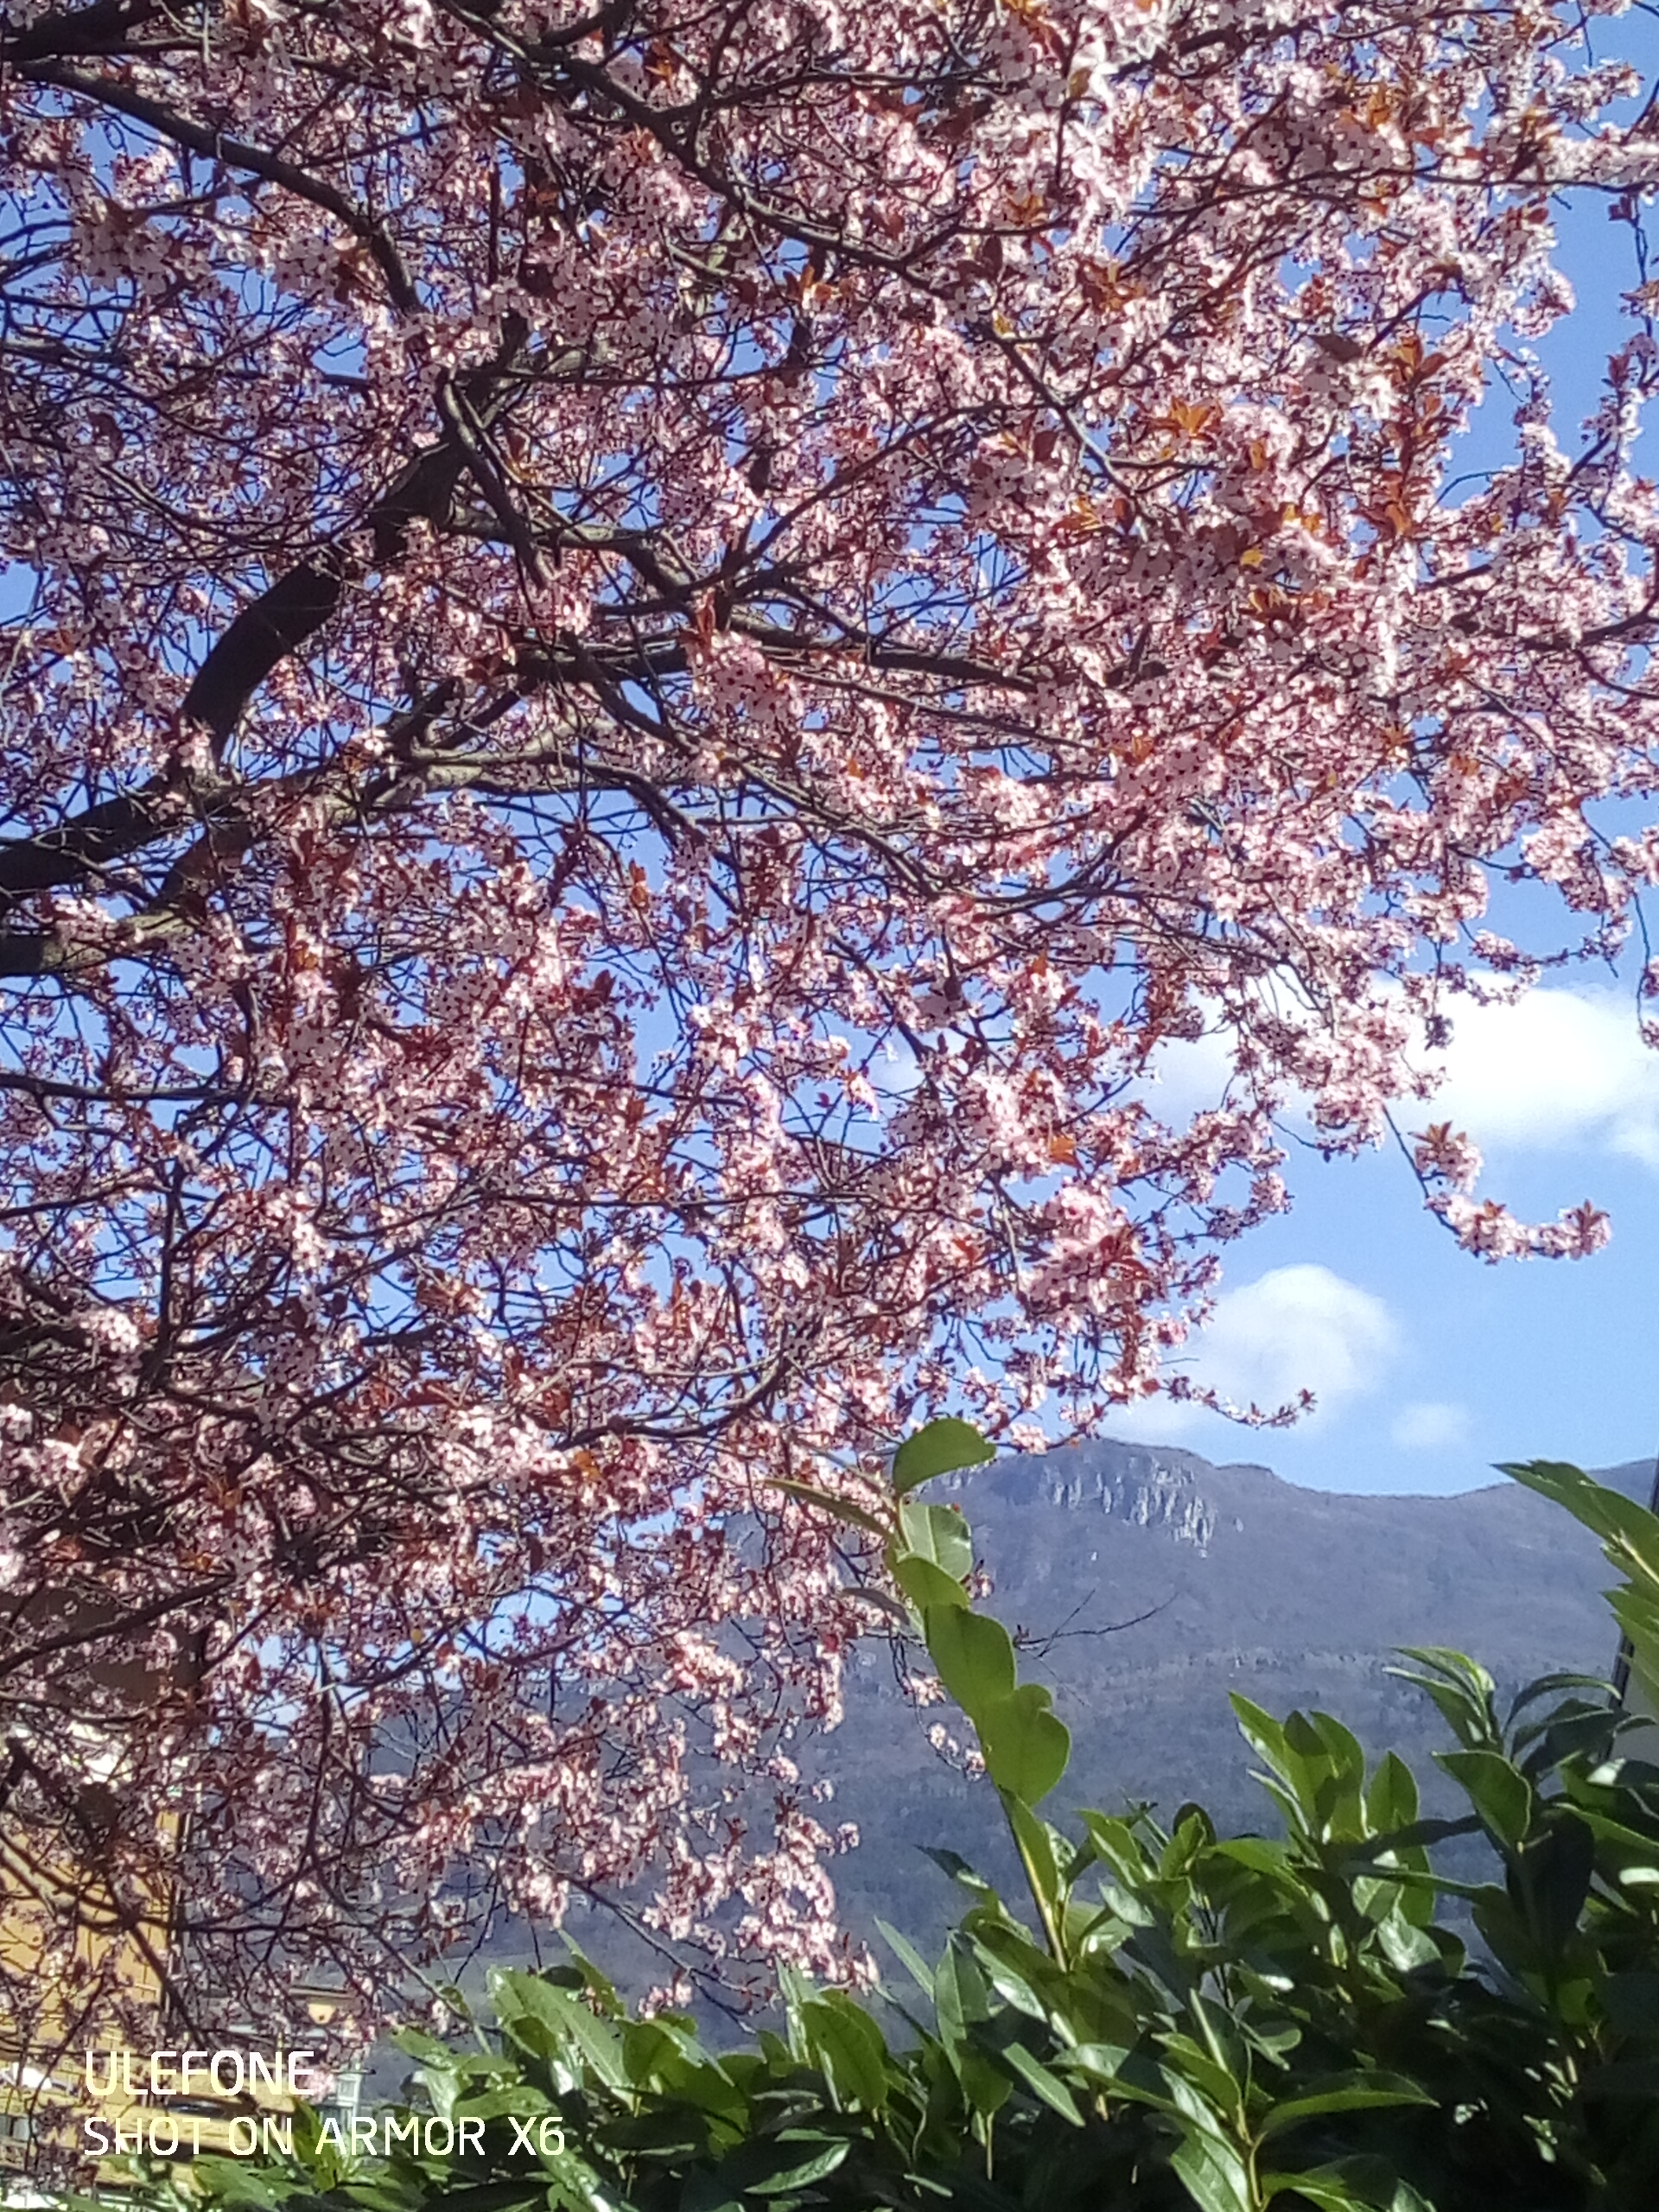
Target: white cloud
[
  {"x": 1190, "y": 1076},
  {"x": 1296, "y": 1328},
  {"x": 1426, "y": 1425},
  {"x": 895, "y": 1071},
  {"x": 1559, "y": 1068}
]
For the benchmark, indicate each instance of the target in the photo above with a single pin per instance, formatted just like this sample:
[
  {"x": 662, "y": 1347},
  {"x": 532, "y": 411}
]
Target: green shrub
[{"x": 1327, "y": 2019}]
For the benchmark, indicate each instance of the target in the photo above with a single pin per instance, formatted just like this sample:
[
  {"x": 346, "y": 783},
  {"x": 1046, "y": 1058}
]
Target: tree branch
[{"x": 237, "y": 153}]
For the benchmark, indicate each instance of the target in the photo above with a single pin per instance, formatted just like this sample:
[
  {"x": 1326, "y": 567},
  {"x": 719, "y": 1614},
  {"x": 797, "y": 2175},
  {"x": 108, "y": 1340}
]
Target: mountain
[
  {"x": 1149, "y": 1584},
  {"x": 1164, "y": 1582}
]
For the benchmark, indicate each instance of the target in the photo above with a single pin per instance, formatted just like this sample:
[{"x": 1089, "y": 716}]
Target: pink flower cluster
[{"x": 650, "y": 654}]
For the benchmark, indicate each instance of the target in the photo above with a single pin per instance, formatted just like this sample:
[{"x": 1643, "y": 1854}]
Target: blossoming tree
[{"x": 651, "y": 648}]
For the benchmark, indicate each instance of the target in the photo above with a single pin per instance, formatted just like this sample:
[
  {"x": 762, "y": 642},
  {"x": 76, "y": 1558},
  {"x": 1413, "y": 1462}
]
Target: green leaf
[
  {"x": 1636, "y": 1612},
  {"x": 1329, "y": 2191},
  {"x": 1118, "y": 1845},
  {"x": 1404, "y": 1938},
  {"x": 786, "y": 2163},
  {"x": 974, "y": 1654},
  {"x": 843, "y": 1508},
  {"x": 1362, "y": 2184},
  {"x": 1295, "y": 1790},
  {"x": 600, "y": 1989},
  {"x": 1194, "y": 1833},
  {"x": 527, "y": 1996},
  {"x": 1319, "y": 1765},
  {"x": 230, "y": 2181},
  {"x": 984, "y": 2084},
  {"x": 1391, "y": 1796},
  {"x": 1023, "y": 1974},
  {"x": 1629, "y": 1532},
  {"x": 1202, "y": 2084},
  {"x": 937, "y": 1533},
  {"x": 1499, "y": 1792},
  {"x": 1038, "y": 2079},
  {"x": 1339, "y": 1744},
  {"x": 651, "y": 2054},
  {"x": 940, "y": 1449},
  {"x": 852, "y": 2051},
  {"x": 908, "y": 1957},
  {"x": 960, "y": 1996},
  {"x": 1554, "y": 1871},
  {"x": 1357, "y": 2092},
  {"x": 518, "y": 2098},
  {"x": 1100, "y": 2063},
  {"x": 1463, "y": 1690},
  {"x": 1551, "y": 1685},
  {"x": 929, "y": 1588},
  {"x": 1261, "y": 1732},
  {"x": 1037, "y": 1852},
  {"x": 1215, "y": 2175},
  {"x": 953, "y": 1864},
  {"x": 1027, "y": 1747},
  {"x": 417, "y": 2043}
]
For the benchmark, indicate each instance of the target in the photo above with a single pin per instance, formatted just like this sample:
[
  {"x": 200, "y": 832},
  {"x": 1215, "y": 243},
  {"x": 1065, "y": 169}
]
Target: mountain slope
[{"x": 1293, "y": 1597}]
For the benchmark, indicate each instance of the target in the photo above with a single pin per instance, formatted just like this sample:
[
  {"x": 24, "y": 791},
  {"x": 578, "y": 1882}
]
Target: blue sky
[{"x": 1429, "y": 1365}]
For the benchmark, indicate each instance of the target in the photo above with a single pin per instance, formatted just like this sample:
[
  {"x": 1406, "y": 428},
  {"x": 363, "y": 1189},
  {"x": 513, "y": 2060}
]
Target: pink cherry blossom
[{"x": 650, "y": 653}]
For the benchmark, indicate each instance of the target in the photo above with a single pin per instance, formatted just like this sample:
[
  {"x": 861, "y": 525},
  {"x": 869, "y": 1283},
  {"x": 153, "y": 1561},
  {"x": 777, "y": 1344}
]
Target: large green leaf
[
  {"x": 1027, "y": 1747},
  {"x": 1214, "y": 2174},
  {"x": 953, "y": 1864},
  {"x": 984, "y": 2084},
  {"x": 1554, "y": 1870},
  {"x": 928, "y": 1588},
  {"x": 937, "y": 1533},
  {"x": 1286, "y": 1780},
  {"x": 1202, "y": 2083},
  {"x": 960, "y": 1997},
  {"x": 1391, "y": 1796},
  {"x": 908, "y": 1957},
  {"x": 1499, "y": 1792},
  {"x": 1038, "y": 2079},
  {"x": 1103, "y": 2062},
  {"x": 940, "y": 1449},
  {"x": 1355, "y": 2092},
  {"x": 1365, "y": 2184},
  {"x": 520, "y": 2099},
  {"x": 1022, "y": 1973},
  {"x": 1117, "y": 1845},
  {"x": 974, "y": 1655},
  {"x": 1630, "y": 1533},
  {"x": 782, "y": 2164},
  {"x": 852, "y": 2051},
  {"x": 1636, "y": 1608},
  {"x": 1035, "y": 1841},
  {"x": 521, "y": 1997}
]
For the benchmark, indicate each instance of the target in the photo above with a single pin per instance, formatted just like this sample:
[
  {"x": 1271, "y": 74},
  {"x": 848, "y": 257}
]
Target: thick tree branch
[
  {"x": 101, "y": 29},
  {"x": 276, "y": 624}
]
